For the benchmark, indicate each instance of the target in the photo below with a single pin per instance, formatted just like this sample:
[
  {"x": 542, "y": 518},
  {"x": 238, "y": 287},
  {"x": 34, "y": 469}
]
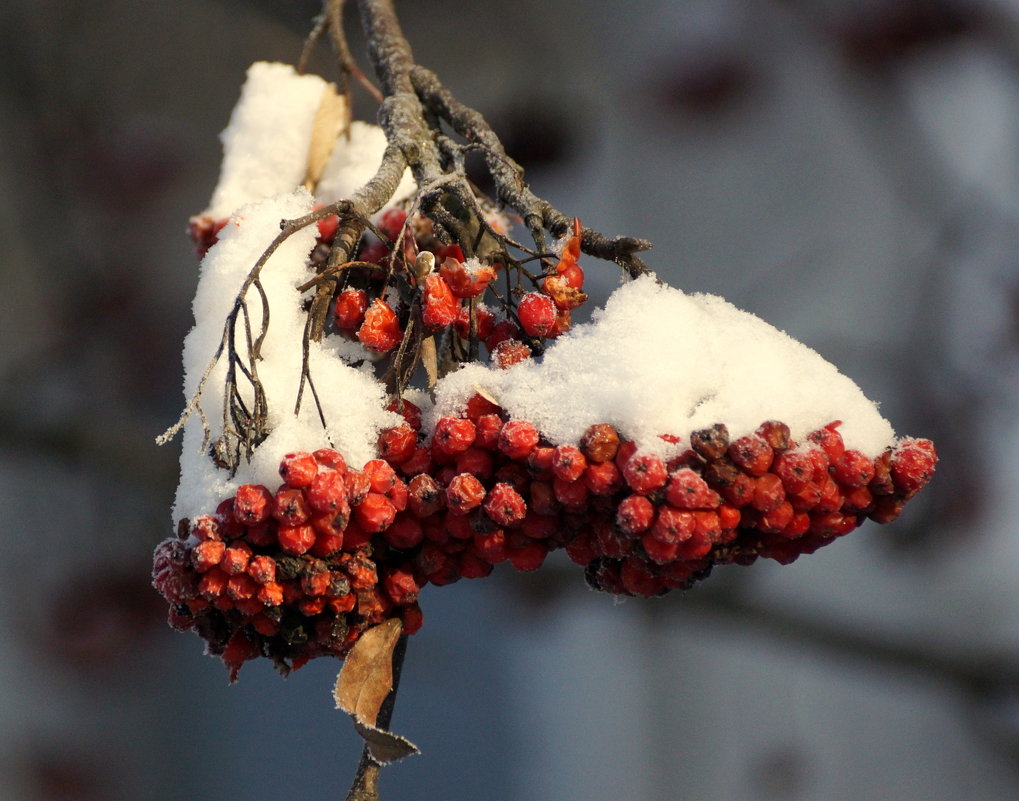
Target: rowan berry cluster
[
  {"x": 450, "y": 298},
  {"x": 301, "y": 571},
  {"x": 375, "y": 301}
]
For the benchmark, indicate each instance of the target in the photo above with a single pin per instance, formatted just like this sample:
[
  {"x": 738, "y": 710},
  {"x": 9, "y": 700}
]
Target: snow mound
[{"x": 658, "y": 361}]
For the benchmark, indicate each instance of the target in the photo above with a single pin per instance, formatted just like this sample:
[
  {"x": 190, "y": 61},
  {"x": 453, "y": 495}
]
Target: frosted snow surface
[
  {"x": 265, "y": 144},
  {"x": 657, "y": 361},
  {"x": 352, "y": 400}
]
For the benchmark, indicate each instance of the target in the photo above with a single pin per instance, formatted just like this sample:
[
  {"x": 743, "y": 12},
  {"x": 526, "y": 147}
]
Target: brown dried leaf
[
  {"x": 367, "y": 674},
  {"x": 385, "y": 747},
  {"x": 331, "y": 119}
]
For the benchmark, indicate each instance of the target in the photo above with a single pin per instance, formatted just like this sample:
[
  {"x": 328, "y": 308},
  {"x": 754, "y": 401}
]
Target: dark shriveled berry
[{"x": 711, "y": 443}]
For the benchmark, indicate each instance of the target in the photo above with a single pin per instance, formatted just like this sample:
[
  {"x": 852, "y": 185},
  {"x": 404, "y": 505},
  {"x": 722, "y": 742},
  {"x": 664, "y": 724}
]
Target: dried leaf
[
  {"x": 385, "y": 747},
  {"x": 331, "y": 118},
  {"x": 367, "y": 674},
  {"x": 363, "y": 684}
]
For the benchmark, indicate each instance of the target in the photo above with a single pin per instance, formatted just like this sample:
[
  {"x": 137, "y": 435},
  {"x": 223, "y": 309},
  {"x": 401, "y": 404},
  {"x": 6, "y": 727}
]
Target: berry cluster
[
  {"x": 375, "y": 301},
  {"x": 295, "y": 573},
  {"x": 450, "y": 298},
  {"x": 302, "y": 571}
]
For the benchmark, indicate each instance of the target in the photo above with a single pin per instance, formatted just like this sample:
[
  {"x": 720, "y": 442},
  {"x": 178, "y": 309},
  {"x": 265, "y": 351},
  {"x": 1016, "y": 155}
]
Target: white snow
[
  {"x": 353, "y": 163},
  {"x": 657, "y": 361},
  {"x": 265, "y": 144},
  {"x": 352, "y": 400}
]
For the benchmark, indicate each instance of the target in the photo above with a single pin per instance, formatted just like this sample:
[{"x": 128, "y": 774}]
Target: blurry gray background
[{"x": 848, "y": 170}]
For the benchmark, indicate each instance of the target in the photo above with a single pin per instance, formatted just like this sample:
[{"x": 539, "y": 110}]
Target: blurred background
[{"x": 846, "y": 169}]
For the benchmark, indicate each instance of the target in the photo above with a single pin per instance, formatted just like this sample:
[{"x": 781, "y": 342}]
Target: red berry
[
  {"x": 527, "y": 557},
  {"x": 239, "y": 649},
  {"x": 796, "y": 469},
  {"x": 487, "y": 428},
  {"x": 635, "y": 514},
  {"x": 517, "y": 439},
  {"x": 358, "y": 486},
  {"x": 768, "y": 492},
  {"x": 453, "y": 435},
  {"x": 372, "y": 251},
  {"x": 687, "y": 490},
  {"x": 543, "y": 500},
  {"x": 568, "y": 463},
  {"x": 270, "y": 593},
  {"x": 645, "y": 472},
  {"x": 504, "y": 506},
  {"x": 510, "y": 352},
  {"x": 602, "y": 478},
  {"x": 464, "y": 494},
  {"x": 852, "y": 469},
  {"x": 491, "y": 546},
  {"x": 252, "y": 504},
  {"x": 711, "y": 443},
  {"x": 327, "y": 492},
  {"x": 235, "y": 558},
  {"x": 206, "y": 527},
  {"x": 333, "y": 459},
  {"x": 752, "y": 454},
  {"x": 405, "y": 532},
  {"x": 565, "y": 296},
  {"x": 478, "y": 406},
  {"x": 241, "y": 587},
  {"x": 425, "y": 496},
  {"x": 537, "y": 314},
  {"x": 330, "y": 533},
  {"x": 298, "y": 469},
  {"x": 485, "y": 322},
  {"x": 476, "y": 461},
  {"x": 419, "y": 461},
  {"x": 466, "y": 279},
  {"x": 776, "y": 434},
  {"x": 829, "y": 440},
  {"x": 206, "y": 555},
  {"x": 381, "y": 476},
  {"x": 400, "y": 585},
  {"x": 740, "y": 492},
  {"x": 327, "y": 228},
  {"x": 439, "y": 307},
  {"x": 375, "y": 513},
  {"x": 673, "y": 526},
  {"x": 637, "y": 579},
  {"x": 411, "y": 412},
  {"x": 262, "y": 568},
  {"x": 502, "y": 330},
  {"x": 913, "y": 463},
  {"x": 295, "y": 540},
  {"x": 776, "y": 519},
  {"x": 413, "y": 618},
  {"x": 396, "y": 445},
  {"x": 392, "y": 221},
  {"x": 354, "y": 536},
  {"x": 290, "y": 507},
  {"x": 380, "y": 330},
  {"x": 349, "y": 309},
  {"x": 573, "y": 495},
  {"x": 539, "y": 462}
]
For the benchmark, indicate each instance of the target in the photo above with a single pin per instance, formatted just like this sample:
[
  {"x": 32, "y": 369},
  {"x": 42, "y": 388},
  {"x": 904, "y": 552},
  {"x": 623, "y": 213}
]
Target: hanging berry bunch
[{"x": 386, "y": 389}]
